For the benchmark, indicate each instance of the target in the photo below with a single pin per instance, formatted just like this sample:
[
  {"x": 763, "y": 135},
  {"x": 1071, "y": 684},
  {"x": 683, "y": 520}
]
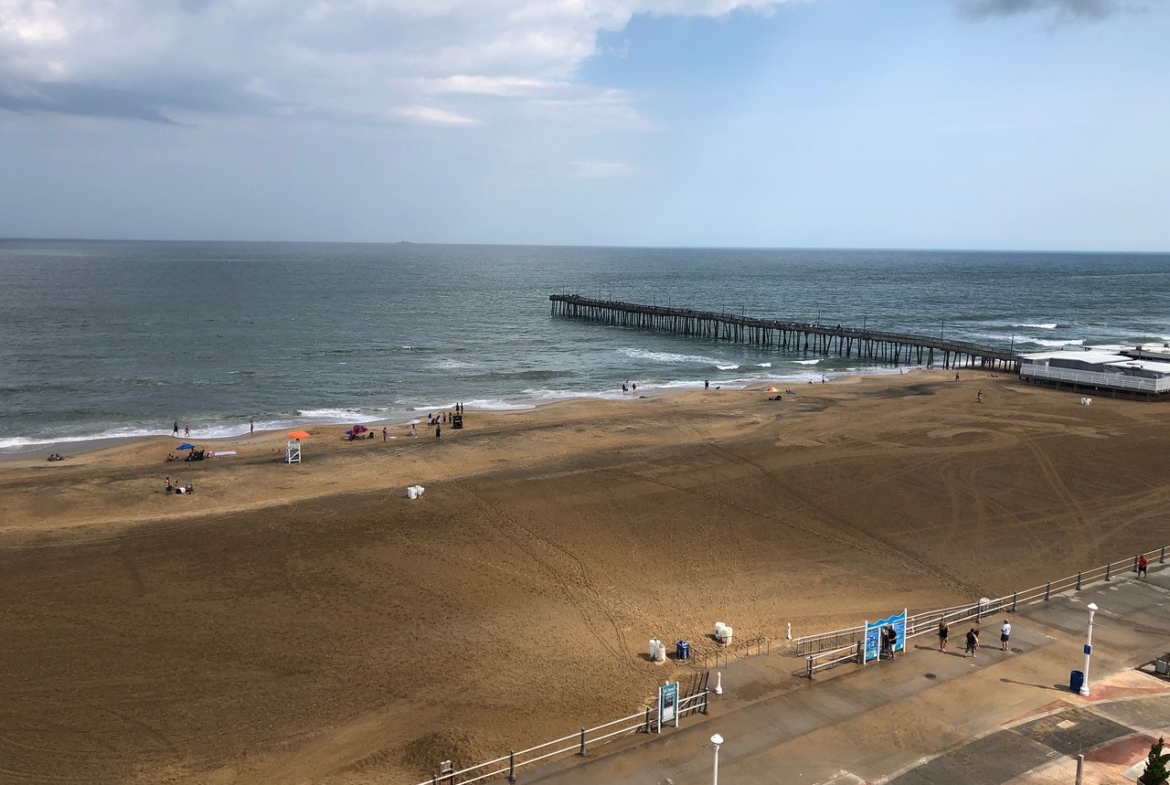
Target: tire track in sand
[{"x": 586, "y": 606}]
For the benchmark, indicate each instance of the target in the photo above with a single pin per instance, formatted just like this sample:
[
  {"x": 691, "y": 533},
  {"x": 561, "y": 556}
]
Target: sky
[{"x": 961, "y": 124}]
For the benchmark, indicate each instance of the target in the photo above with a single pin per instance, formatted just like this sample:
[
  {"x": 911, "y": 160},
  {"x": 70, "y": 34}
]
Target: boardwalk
[{"x": 797, "y": 337}]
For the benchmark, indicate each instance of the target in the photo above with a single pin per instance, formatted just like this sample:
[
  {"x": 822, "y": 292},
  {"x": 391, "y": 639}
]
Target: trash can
[
  {"x": 683, "y": 650},
  {"x": 1076, "y": 680}
]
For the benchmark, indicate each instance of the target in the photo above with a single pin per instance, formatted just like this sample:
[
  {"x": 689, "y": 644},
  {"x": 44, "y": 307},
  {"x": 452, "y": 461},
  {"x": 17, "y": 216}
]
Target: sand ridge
[{"x": 308, "y": 623}]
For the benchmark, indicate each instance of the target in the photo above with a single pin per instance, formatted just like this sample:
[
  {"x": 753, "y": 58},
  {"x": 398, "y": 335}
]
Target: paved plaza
[{"x": 930, "y": 717}]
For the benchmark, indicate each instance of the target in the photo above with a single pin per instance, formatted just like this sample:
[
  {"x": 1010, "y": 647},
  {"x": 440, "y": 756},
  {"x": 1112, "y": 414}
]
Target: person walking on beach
[
  {"x": 979, "y": 396},
  {"x": 1143, "y": 566},
  {"x": 972, "y": 643},
  {"x": 384, "y": 435},
  {"x": 251, "y": 427},
  {"x": 944, "y": 632},
  {"x": 1005, "y": 633},
  {"x": 187, "y": 430},
  {"x": 438, "y": 431},
  {"x": 176, "y": 427},
  {"x": 707, "y": 385}
]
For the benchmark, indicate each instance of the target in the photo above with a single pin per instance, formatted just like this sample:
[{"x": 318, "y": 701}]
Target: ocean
[{"x": 102, "y": 340}]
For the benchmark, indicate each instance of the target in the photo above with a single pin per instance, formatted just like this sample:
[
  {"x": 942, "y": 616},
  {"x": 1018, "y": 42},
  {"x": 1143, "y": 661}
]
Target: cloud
[
  {"x": 598, "y": 170},
  {"x": 1060, "y": 9},
  {"x": 427, "y": 61},
  {"x": 428, "y": 115}
]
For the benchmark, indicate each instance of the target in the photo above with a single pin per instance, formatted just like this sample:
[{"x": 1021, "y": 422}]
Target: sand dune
[{"x": 310, "y": 624}]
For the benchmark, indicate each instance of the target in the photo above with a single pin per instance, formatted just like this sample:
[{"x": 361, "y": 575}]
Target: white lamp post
[
  {"x": 716, "y": 740},
  {"x": 1088, "y": 649}
]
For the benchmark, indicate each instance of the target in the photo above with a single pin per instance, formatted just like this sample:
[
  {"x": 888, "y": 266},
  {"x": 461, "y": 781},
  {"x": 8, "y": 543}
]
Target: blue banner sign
[{"x": 877, "y": 631}]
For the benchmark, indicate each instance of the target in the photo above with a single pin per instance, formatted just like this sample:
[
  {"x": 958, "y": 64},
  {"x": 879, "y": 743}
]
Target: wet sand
[{"x": 308, "y": 623}]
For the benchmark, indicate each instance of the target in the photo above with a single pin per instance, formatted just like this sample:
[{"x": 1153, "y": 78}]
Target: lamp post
[
  {"x": 1088, "y": 649},
  {"x": 716, "y": 740}
]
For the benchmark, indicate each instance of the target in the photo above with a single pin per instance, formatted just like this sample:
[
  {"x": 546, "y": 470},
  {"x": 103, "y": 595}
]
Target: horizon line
[{"x": 597, "y": 245}]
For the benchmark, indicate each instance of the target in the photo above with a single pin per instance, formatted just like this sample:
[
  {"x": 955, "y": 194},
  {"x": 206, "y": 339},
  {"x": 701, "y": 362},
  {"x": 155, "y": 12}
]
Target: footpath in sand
[{"x": 928, "y": 717}]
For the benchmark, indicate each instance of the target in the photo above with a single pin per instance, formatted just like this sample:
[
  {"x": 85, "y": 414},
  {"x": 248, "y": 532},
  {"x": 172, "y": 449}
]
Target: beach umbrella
[
  {"x": 185, "y": 447},
  {"x": 359, "y": 429},
  {"x": 298, "y": 435}
]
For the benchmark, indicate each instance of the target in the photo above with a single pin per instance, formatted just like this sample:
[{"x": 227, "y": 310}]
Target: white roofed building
[{"x": 1140, "y": 371}]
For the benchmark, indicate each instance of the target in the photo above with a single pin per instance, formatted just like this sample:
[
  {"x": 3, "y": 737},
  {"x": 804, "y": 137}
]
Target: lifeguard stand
[{"x": 293, "y": 451}]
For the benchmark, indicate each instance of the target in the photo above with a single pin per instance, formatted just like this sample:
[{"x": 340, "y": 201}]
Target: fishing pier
[{"x": 797, "y": 337}]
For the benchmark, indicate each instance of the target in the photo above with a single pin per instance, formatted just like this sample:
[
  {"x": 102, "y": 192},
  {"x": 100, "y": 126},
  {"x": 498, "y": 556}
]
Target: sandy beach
[{"x": 309, "y": 623}]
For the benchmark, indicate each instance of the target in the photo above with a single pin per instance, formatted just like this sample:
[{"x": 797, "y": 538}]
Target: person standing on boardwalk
[
  {"x": 892, "y": 639},
  {"x": 944, "y": 632},
  {"x": 1143, "y": 566},
  {"x": 1005, "y": 632},
  {"x": 972, "y": 643}
]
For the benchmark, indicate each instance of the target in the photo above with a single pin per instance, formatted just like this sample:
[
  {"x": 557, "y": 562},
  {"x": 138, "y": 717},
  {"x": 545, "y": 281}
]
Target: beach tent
[{"x": 771, "y": 389}]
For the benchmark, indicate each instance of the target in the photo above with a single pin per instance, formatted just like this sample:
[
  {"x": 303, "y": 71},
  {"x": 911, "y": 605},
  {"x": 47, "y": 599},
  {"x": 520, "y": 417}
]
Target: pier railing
[
  {"x": 792, "y": 336},
  {"x": 827, "y": 650}
]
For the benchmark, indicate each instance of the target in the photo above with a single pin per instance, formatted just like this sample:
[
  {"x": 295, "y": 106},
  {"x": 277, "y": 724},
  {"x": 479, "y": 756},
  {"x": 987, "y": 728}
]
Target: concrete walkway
[{"x": 930, "y": 717}]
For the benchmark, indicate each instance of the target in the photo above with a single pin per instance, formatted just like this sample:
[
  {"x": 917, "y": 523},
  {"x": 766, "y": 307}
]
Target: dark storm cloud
[{"x": 1079, "y": 9}]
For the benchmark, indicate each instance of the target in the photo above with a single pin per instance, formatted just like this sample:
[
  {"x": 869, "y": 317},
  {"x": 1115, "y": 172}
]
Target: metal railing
[
  {"x": 829, "y": 649},
  {"x": 576, "y": 743},
  {"x": 1117, "y": 381},
  {"x": 720, "y": 658}
]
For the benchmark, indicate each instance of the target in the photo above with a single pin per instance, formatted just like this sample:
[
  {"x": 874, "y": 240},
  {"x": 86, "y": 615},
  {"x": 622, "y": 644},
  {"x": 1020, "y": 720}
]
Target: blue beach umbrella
[{"x": 185, "y": 447}]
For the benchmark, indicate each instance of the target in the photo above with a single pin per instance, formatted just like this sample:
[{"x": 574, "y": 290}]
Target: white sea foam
[
  {"x": 806, "y": 362},
  {"x": 763, "y": 365},
  {"x": 117, "y": 433},
  {"x": 1041, "y": 326},
  {"x": 333, "y": 415},
  {"x": 668, "y": 357},
  {"x": 727, "y": 367},
  {"x": 430, "y": 407},
  {"x": 494, "y": 405},
  {"x": 1049, "y": 342},
  {"x": 447, "y": 364}
]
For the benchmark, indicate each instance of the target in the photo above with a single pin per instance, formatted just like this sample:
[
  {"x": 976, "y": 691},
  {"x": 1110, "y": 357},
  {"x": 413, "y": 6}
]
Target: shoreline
[{"x": 74, "y": 446}]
